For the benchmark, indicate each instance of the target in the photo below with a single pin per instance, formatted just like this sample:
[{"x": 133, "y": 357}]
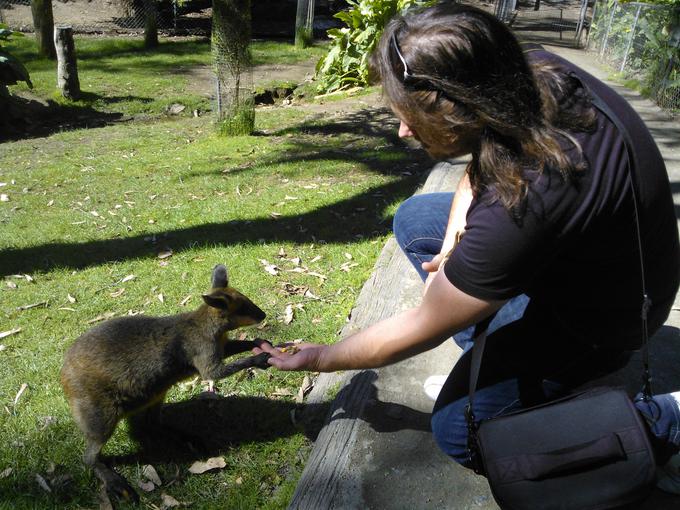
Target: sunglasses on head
[{"x": 407, "y": 74}]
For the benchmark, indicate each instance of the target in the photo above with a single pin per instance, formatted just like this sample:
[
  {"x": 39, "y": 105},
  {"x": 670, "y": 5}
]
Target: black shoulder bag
[{"x": 587, "y": 451}]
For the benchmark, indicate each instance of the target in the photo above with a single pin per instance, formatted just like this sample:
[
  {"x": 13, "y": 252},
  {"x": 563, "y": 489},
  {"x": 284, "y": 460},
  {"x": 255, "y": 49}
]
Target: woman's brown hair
[{"x": 457, "y": 70}]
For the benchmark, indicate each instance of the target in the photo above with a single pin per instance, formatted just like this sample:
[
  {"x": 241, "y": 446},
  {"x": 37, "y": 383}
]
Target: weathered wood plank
[{"x": 393, "y": 285}]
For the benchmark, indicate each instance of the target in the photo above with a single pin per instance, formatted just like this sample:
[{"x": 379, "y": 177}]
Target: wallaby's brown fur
[{"x": 124, "y": 367}]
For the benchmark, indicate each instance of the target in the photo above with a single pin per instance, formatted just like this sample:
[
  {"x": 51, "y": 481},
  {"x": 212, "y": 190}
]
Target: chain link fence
[
  {"x": 559, "y": 22},
  {"x": 113, "y": 17},
  {"x": 641, "y": 41}
]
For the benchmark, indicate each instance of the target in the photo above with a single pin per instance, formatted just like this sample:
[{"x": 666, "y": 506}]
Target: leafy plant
[
  {"x": 346, "y": 64},
  {"x": 12, "y": 70},
  {"x": 645, "y": 41}
]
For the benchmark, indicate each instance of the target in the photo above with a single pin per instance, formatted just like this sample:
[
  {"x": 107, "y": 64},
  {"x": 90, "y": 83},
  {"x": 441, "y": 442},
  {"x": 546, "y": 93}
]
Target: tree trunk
[
  {"x": 150, "y": 24},
  {"x": 304, "y": 23},
  {"x": 43, "y": 24},
  {"x": 67, "y": 69},
  {"x": 231, "y": 29}
]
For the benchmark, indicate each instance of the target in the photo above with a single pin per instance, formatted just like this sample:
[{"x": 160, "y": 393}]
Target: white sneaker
[
  {"x": 433, "y": 385},
  {"x": 668, "y": 476}
]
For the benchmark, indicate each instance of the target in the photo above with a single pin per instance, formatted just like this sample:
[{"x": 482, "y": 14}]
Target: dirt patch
[{"x": 202, "y": 79}]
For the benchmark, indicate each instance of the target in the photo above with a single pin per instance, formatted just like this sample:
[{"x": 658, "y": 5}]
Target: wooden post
[
  {"x": 150, "y": 24},
  {"x": 67, "y": 70},
  {"x": 43, "y": 22}
]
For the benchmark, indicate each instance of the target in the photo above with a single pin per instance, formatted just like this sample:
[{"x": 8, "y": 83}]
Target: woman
[{"x": 543, "y": 215}]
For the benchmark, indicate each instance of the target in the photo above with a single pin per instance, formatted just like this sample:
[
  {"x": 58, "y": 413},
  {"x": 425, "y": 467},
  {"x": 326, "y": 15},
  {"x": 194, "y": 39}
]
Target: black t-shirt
[{"x": 574, "y": 250}]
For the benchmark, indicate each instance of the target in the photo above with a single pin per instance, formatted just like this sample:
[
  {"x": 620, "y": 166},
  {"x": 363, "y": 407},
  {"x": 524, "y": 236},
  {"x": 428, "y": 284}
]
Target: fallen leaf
[
  {"x": 45, "y": 422},
  {"x": 165, "y": 253},
  {"x": 33, "y": 305},
  {"x": 282, "y": 253},
  {"x": 5, "y": 473},
  {"x": 95, "y": 214},
  {"x": 296, "y": 261},
  {"x": 309, "y": 295},
  {"x": 66, "y": 308},
  {"x": 4, "y": 198},
  {"x": 42, "y": 483},
  {"x": 168, "y": 501},
  {"x": 128, "y": 278},
  {"x": 318, "y": 275},
  {"x": 161, "y": 298},
  {"x": 2, "y": 347},
  {"x": 28, "y": 278},
  {"x": 347, "y": 267},
  {"x": 146, "y": 486},
  {"x": 102, "y": 317},
  {"x": 275, "y": 215},
  {"x": 282, "y": 392},
  {"x": 293, "y": 290},
  {"x": 70, "y": 298},
  {"x": 185, "y": 300},
  {"x": 348, "y": 256},
  {"x": 151, "y": 474},
  {"x": 238, "y": 481},
  {"x": 305, "y": 388},
  {"x": 315, "y": 259},
  {"x": 12, "y": 285},
  {"x": 21, "y": 391},
  {"x": 272, "y": 269},
  {"x": 288, "y": 314},
  {"x": 50, "y": 203},
  {"x": 199, "y": 467},
  {"x": 10, "y": 332},
  {"x": 240, "y": 193},
  {"x": 118, "y": 293}
]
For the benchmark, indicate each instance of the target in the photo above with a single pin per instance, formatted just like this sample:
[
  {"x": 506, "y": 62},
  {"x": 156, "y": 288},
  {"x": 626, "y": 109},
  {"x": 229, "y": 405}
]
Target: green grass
[
  {"x": 86, "y": 208},
  {"x": 120, "y": 75}
]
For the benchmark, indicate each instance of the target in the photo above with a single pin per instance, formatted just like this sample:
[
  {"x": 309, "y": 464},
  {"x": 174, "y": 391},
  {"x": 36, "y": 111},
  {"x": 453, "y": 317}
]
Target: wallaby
[{"x": 123, "y": 367}]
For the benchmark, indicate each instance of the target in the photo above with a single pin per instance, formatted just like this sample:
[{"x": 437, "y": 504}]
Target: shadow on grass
[
  {"x": 37, "y": 118},
  {"x": 360, "y": 216}
]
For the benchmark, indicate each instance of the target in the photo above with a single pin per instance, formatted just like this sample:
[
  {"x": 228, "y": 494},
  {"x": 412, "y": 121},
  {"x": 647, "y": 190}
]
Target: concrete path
[{"x": 376, "y": 450}]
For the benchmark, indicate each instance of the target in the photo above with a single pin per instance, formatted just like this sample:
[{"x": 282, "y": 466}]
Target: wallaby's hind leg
[
  {"x": 97, "y": 422},
  {"x": 115, "y": 485}
]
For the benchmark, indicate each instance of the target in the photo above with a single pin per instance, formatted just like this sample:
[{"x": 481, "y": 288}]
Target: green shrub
[{"x": 346, "y": 64}]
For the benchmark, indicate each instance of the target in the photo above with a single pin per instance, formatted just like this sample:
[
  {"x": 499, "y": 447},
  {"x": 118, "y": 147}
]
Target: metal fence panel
[{"x": 641, "y": 41}]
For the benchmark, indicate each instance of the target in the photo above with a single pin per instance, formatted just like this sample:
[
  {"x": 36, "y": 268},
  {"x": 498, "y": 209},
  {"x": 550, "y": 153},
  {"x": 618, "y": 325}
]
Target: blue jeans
[{"x": 520, "y": 368}]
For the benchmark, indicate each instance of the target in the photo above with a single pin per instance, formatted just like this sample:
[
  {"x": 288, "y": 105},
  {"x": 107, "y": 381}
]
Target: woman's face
[{"x": 439, "y": 145}]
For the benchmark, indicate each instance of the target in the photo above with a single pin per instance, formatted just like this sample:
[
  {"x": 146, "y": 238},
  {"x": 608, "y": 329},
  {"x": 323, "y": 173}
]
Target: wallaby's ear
[
  {"x": 217, "y": 300},
  {"x": 220, "y": 280}
]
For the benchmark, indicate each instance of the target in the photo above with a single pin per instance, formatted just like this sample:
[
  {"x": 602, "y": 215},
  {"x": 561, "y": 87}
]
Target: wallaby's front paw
[
  {"x": 259, "y": 341},
  {"x": 260, "y": 361}
]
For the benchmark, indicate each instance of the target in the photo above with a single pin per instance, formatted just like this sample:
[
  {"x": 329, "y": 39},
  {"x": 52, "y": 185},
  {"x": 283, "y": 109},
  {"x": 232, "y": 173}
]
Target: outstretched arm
[{"x": 444, "y": 311}]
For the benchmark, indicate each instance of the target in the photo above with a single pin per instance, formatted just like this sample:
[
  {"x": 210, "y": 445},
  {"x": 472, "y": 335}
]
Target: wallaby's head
[{"x": 229, "y": 304}]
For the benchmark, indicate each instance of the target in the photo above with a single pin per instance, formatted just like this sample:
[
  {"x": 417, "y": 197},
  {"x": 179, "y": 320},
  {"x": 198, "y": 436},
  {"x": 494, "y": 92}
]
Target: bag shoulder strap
[{"x": 481, "y": 328}]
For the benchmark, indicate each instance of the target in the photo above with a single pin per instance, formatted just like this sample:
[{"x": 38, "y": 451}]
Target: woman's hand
[
  {"x": 432, "y": 267},
  {"x": 304, "y": 356}
]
